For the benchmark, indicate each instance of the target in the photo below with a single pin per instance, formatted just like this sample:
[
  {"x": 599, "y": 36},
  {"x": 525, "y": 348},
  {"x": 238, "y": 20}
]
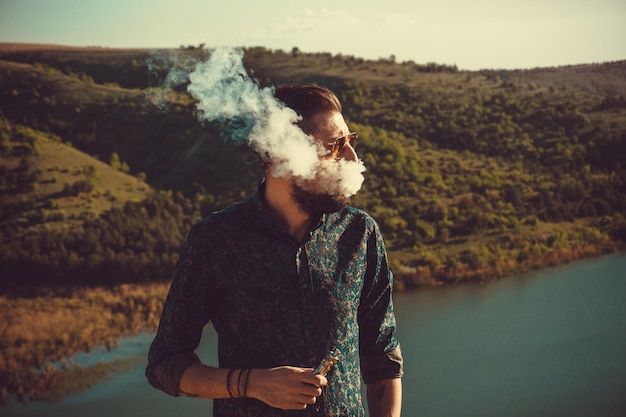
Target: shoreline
[{"x": 426, "y": 277}]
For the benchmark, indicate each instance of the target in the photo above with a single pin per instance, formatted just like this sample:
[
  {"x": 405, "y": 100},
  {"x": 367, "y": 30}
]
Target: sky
[{"x": 476, "y": 34}]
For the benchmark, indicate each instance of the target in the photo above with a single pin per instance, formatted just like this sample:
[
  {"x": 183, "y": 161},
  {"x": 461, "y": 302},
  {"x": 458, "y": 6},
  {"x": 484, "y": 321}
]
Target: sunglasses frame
[{"x": 337, "y": 145}]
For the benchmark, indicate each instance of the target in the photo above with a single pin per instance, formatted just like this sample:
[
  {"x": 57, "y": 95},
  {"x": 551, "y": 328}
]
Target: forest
[{"x": 471, "y": 175}]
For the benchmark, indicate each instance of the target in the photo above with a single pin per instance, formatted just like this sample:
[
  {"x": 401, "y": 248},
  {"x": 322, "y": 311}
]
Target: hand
[{"x": 286, "y": 387}]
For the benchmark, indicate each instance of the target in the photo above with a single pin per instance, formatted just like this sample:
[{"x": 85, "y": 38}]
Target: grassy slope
[
  {"x": 59, "y": 167},
  {"x": 601, "y": 79}
]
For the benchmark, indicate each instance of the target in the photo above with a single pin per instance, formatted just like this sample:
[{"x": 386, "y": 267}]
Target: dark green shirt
[{"x": 275, "y": 301}]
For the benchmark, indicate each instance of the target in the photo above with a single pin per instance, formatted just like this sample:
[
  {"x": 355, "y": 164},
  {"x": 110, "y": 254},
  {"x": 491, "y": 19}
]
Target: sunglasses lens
[{"x": 340, "y": 143}]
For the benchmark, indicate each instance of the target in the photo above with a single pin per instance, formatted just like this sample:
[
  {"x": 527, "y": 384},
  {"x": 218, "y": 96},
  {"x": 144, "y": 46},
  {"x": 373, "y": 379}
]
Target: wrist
[{"x": 238, "y": 382}]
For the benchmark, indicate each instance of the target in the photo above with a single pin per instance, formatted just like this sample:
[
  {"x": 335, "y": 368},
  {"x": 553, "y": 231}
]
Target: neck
[{"x": 285, "y": 213}]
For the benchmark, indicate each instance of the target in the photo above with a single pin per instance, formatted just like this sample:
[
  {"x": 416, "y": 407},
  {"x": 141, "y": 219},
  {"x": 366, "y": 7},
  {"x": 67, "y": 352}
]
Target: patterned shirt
[{"x": 275, "y": 301}]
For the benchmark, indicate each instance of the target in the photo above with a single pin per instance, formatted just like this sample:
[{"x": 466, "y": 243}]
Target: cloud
[
  {"x": 313, "y": 20},
  {"x": 398, "y": 21}
]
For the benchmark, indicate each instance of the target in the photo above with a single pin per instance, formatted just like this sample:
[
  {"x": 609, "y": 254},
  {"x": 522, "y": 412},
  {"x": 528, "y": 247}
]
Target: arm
[
  {"x": 285, "y": 387},
  {"x": 384, "y": 398},
  {"x": 187, "y": 309},
  {"x": 381, "y": 358}
]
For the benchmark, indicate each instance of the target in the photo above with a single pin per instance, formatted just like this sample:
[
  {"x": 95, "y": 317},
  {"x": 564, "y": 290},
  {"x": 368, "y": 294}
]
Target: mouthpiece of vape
[{"x": 327, "y": 363}]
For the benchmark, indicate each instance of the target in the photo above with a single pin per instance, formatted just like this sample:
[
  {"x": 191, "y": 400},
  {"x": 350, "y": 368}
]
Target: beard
[
  {"x": 330, "y": 190},
  {"x": 315, "y": 204}
]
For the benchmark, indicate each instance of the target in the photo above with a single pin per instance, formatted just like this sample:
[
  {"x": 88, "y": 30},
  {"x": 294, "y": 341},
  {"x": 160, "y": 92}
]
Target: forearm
[
  {"x": 384, "y": 398},
  {"x": 204, "y": 381},
  {"x": 284, "y": 387}
]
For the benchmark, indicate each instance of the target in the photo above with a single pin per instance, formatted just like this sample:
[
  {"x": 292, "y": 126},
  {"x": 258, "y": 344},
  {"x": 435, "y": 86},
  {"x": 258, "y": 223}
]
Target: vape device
[{"x": 327, "y": 363}]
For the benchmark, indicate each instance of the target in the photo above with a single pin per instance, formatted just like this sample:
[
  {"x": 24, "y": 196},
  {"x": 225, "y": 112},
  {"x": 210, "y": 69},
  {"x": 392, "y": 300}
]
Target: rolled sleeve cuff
[
  {"x": 385, "y": 366},
  {"x": 167, "y": 374}
]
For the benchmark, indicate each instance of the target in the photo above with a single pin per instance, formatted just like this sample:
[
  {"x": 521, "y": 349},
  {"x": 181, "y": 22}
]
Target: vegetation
[
  {"x": 44, "y": 327},
  {"x": 471, "y": 175}
]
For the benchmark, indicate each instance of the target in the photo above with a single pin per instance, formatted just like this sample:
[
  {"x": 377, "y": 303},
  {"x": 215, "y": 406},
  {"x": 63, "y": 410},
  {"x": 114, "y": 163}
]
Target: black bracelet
[
  {"x": 239, "y": 383},
  {"x": 245, "y": 384},
  {"x": 230, "y": 372}
]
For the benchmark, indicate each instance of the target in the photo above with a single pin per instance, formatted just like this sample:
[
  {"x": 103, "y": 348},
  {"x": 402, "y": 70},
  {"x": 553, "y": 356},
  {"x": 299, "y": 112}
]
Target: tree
[{"x": 115, "y": 162}]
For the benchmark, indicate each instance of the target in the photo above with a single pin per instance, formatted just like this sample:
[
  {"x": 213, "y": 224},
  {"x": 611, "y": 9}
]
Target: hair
[{"x": 308, "y": 100}]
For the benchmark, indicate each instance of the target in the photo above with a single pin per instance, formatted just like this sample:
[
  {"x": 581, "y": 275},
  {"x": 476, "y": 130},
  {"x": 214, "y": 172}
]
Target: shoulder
[
  {"x": 352, "y": 217},
  {"x": 221, "y": 221},
  {"x": 354, "y": 214}
]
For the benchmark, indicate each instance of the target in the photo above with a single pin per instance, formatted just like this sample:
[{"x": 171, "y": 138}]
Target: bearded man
[{"x": 285, "y": 277}]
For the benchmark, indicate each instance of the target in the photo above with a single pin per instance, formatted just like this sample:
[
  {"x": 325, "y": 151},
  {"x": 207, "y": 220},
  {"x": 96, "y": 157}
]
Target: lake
[{"x": 546, "y": 343}]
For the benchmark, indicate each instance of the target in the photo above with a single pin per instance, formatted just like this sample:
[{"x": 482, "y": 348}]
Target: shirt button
[{"x": 317, "y": 409}]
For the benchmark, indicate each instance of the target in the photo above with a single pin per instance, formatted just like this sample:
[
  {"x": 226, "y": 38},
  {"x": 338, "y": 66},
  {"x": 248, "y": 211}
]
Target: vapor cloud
[{"x": 253, "y": 116}]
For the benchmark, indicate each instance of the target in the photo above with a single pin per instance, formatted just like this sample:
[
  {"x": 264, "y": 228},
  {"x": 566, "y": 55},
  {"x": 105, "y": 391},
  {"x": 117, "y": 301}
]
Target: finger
[
  {"x": 307, "y": 400},
  {"x": 311, "y": 390},
  {"x": 309, "y": 378}
]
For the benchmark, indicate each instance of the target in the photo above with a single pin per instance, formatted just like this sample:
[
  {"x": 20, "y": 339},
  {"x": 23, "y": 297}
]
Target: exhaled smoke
[
  {"x": 176, "y": 65},
  {"x": 225, "y": 93}
]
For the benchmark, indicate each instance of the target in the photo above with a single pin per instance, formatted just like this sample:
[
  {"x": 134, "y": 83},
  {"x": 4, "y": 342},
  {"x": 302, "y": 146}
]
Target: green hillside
[
  {"x": 471, "y": 175},
  {"x": 50, "y": 185}
]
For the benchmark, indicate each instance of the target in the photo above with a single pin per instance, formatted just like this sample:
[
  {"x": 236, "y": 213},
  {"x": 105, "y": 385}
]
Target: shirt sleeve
[
  {"x": 380, "y": 353},
  {"x": 185, "y": 313}
]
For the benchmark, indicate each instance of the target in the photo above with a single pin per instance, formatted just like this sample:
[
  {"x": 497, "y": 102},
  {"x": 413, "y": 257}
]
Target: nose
[{"x": 348, "y": 153}]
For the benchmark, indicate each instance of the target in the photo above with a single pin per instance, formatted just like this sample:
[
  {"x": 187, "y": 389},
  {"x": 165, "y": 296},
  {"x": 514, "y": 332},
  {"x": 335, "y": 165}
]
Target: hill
[
  {"x": 48, "y": 184},
  {"x": 604, "y": 79},
  {"x": 127, "y": 67},
  {"x": 471, "y": 175}
]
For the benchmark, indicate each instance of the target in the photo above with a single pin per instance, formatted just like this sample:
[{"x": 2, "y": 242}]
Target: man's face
[{"x": 313, "y": 196}]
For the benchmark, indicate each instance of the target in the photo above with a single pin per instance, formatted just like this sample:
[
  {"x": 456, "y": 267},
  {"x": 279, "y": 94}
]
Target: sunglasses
[{"x": 337, "y": 145}]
